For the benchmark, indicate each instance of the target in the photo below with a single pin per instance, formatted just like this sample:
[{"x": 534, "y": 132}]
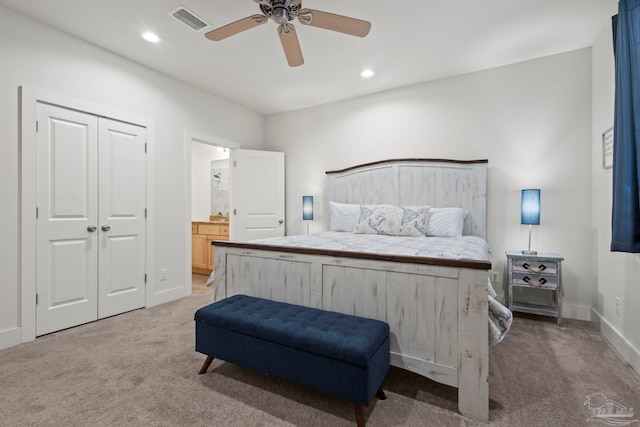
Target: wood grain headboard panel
[{"x": 417, "y": 182}]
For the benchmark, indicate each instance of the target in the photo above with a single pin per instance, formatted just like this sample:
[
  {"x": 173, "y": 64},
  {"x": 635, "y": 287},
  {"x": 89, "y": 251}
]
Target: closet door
[
  {"x": 91, "y": 243},
  {"x": 122, "y": 187},
  {"x": 67, "y": 232}
]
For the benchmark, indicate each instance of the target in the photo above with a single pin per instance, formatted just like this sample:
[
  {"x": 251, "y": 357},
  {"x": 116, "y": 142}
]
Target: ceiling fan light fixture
[
  {"x": 281, "y": 15},
  {"x": 305, "y": 18},
  {"x": 259, "y": 19}
]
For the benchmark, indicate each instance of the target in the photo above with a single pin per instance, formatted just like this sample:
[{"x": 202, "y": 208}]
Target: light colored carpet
[
  {"x": 140, "y": 369},
  {"x": 199, "y": 282}
]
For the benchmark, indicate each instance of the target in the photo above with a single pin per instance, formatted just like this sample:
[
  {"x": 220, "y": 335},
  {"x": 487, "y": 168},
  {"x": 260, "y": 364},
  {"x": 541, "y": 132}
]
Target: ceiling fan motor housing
[{"x": 280, "y": 11}]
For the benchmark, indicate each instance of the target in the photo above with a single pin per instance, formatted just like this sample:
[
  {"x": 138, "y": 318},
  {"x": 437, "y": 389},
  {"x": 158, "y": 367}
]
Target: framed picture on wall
[{"x": 607, "y": 148}]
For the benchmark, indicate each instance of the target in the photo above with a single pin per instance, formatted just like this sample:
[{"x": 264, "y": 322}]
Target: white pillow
[
  {"x": 446, "y": 222},
  {"x": 343, "y": 216},
  {"x": 392, "y": 220}
]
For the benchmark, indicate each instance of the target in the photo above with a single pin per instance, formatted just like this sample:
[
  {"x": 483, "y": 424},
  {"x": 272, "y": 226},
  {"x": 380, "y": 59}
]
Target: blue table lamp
[
  {"x": 307, "y": 209},
  {"x": 530, "y": 213}
]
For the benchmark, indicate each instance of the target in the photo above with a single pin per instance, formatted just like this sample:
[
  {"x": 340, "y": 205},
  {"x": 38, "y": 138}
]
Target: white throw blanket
[{"x": 500, "y": 318}]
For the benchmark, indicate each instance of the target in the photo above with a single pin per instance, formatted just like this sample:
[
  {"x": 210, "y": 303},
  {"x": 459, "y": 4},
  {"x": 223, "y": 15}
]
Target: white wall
[
  {"x": 201, "y": 157},
  {"x": 532, "y": 120},
  {"x": 38, "y": 56},
  {"x": 617, "y": 274}
]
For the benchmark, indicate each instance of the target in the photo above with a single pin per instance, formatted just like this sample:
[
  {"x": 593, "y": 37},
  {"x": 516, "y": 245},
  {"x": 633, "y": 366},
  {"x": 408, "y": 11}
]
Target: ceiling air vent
[{"x": 182, "y": 14}]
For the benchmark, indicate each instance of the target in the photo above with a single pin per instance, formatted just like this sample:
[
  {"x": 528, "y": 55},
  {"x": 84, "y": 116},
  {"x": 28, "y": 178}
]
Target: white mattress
[{"x": 463, "y": 248}]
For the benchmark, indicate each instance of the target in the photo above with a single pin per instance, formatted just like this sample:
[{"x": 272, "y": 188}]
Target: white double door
[{"x": 91, "y": 196}]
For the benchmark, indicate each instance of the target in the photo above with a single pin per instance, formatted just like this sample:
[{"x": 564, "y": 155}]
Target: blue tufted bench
[{"x": 342, "y": 355}]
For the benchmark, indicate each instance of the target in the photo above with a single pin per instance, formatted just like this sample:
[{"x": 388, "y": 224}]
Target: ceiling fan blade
[
  {"x": 333, "y": 22},
  {"x": 236, "y": 27},
  {"x": 291, "y": 45}
]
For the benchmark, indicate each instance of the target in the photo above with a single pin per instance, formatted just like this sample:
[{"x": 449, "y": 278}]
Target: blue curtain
[{"x": 625, "y": 236}]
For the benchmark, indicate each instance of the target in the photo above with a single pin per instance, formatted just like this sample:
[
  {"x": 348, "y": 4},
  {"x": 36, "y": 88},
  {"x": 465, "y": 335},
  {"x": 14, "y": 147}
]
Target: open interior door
[{"x": 257, "y": 194}]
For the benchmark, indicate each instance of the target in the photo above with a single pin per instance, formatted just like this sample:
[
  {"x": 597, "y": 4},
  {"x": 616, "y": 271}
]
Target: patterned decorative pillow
[{"x": 392, "y": 220}]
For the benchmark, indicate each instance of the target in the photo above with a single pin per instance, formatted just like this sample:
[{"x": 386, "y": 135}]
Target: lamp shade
[
  {"x": 530, "y": 209},
  {"x": 307, "y": 208}
]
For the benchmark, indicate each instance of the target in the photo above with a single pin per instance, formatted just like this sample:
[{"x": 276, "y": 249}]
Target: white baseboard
[
  {"x": 10, "y": 337},
  {"x": 617, "y": 340},
  {"x": 578, "y": 312}
]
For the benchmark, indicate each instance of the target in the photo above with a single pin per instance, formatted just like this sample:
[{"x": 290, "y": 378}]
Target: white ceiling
[{"x": 410, "y": 41}]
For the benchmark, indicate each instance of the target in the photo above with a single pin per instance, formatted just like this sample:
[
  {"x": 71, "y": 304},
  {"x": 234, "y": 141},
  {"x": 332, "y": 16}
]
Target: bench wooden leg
[
  {"x": 359, "y": 414},
  {"x": 206, "y": 365},
  {"x": 360, "y": 409}
]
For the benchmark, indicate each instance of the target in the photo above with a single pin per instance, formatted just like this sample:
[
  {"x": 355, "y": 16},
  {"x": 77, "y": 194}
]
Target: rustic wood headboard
[{"x": 417, "y": 182}]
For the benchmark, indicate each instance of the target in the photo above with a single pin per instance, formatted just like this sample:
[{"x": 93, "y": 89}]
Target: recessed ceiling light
[
  {"x": 150, "y": 37},
  {"x": 367, "y": 73}
]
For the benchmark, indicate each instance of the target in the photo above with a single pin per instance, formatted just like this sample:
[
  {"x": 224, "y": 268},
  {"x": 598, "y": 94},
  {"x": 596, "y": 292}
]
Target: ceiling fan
[{"x": 284, "y": 11}]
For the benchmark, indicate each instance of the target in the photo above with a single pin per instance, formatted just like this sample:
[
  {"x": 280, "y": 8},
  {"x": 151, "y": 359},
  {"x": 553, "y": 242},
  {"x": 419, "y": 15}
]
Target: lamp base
[{"x": 529, "y": 252}]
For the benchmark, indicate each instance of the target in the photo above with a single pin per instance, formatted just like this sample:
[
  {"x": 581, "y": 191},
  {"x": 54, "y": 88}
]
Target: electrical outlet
[
  {"x": 495, "y": 277},
  {"x": 163, "y": 274},
  {"x": 618, "y": 306}
]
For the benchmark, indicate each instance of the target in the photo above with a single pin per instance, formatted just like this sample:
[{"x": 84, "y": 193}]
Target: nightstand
[{"x": 541, "y": 271}]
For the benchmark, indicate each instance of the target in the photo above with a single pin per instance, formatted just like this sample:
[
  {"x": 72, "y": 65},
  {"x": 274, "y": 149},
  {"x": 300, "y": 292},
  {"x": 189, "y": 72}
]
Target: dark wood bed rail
[{"x": 409, "y": 160}]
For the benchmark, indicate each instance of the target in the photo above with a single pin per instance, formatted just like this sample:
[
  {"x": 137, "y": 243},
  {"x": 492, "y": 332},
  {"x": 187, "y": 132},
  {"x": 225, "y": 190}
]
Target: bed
[{"x": 437, "y": 305}]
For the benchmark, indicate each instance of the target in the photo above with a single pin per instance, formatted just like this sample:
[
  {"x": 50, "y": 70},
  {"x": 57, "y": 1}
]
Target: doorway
[
  {"x": 209, "y": 188},
  {"x": 256, "y": 199},
  {"x": 210, "y": 207}
]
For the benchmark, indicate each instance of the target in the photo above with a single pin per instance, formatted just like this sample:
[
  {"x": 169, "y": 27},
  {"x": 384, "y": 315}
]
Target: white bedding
[
  {"x": 461, "y": 248},
  {"x": 465, "y": 247}
]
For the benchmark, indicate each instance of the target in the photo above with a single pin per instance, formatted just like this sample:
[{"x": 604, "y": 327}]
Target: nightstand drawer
[
  {"x": 535, "y": 267},
  {"x": 542, "y": 281}
]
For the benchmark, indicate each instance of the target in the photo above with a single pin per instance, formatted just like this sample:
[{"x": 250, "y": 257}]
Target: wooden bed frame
[{"x": 437, "y": 309}]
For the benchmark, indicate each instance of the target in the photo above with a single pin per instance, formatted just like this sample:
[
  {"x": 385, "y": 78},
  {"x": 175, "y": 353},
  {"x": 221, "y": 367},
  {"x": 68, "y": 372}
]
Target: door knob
[
  {"x": 281, "y": 221},
  {"x": 106, "y": 227},
  {"x": 91, "y": 228}
]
